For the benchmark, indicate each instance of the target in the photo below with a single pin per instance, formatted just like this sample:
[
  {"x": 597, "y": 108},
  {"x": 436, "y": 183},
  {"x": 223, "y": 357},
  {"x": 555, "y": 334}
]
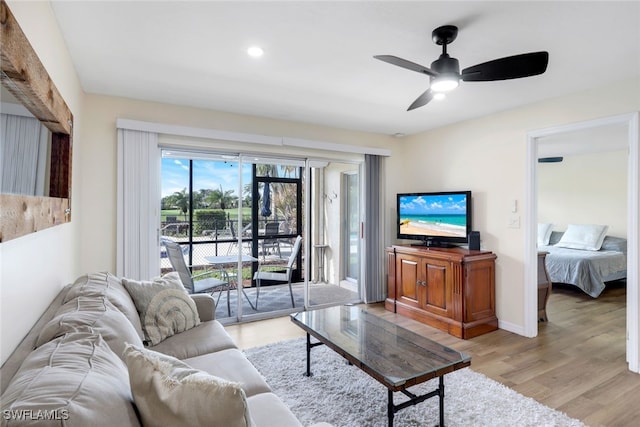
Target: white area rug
[{"x": 343, "y": 395}]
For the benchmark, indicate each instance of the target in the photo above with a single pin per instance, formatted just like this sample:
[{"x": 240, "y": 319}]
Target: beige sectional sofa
[{"x": 70, "y": 369}]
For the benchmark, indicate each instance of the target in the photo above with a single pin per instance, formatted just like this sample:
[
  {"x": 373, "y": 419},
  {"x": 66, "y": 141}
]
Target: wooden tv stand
[{"x": 452, "y": 289}]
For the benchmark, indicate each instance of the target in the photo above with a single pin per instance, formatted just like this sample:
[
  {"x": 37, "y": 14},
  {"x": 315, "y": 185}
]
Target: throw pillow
[
  {"x": 164, "y": 306},
  {"x": 583, "y": 236},
  {"x": 167, "y": 391},
  {"x": 544, "y": 234}
]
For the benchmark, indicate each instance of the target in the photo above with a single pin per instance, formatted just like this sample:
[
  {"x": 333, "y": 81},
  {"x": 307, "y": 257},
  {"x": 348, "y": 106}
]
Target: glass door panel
[
  {"x": 334, "y": 215},
  {"x": 351, "y": 251},
  {"x": 201, "y": 210},
  {"x": 277, "y": 221}
]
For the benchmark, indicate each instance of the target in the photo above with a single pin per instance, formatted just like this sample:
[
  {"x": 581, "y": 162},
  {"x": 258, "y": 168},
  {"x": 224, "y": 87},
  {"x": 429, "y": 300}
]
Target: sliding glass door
[{"x": 237, "y": 218}]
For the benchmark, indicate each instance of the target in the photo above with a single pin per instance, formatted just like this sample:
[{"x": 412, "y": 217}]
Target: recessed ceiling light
[{"x": 255, "y": 51}]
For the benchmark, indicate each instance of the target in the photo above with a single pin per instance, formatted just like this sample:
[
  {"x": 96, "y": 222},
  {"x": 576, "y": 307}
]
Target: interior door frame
[{"x": 633, "y": 227}]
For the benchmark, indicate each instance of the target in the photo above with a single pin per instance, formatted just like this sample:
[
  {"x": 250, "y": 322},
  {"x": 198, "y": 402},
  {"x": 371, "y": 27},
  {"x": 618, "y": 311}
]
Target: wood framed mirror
[{"x": 26, "y": 79}]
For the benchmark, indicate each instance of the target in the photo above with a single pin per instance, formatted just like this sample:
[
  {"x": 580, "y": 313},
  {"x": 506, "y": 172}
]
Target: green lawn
[{"x": 232, "y": 213}]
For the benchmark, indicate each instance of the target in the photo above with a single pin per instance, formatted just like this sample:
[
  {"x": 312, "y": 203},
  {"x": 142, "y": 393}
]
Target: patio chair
[
  {"x": 189, "y": 281},
  {"x": 285, "y": 276},
  {"x": 234, "y": 236},
  {"x": 271, "y": 229}
]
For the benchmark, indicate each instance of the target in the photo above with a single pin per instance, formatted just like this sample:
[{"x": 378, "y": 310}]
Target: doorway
[{"x": 630, "y": 124}]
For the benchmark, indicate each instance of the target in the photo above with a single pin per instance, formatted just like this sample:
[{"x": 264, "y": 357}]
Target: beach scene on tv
[{"x": 434, "y": 215}]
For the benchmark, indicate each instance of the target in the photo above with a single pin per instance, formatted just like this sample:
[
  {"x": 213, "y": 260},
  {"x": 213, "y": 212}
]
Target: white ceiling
[
  {"x": 318, "y": 65},
  {"x": 611, "y": 137}
]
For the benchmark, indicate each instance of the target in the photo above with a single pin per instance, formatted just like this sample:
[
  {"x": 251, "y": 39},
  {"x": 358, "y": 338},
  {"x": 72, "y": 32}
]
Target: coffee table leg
[
  {"x": 390, "y": 409},
  {"x": 310, "y": 345},
  {"x": 441, "y": 399},
  {"x": 308, "y": 355},
  {"x": 414, "y": 400}
]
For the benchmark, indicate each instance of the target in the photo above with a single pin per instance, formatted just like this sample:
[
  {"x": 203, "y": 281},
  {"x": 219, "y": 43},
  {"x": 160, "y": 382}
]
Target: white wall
[
  {"x": 586, "y": 188},
  {"x": 488, "y": 156},
  {"x": 35, "y": 267}
]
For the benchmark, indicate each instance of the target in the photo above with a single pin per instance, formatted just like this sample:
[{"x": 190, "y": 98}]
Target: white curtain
[
  {"x": 374, "y": 279},
  {"x": 138, "y": 205},
  {"x": 23, "y": 155}
]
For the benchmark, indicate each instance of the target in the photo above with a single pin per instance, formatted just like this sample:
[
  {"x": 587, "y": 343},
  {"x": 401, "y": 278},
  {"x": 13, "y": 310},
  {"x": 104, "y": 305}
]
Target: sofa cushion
[
  {"x": 206, "y": 305},
  {"x": 164, "y": 305},
  {"x": 110, "y": 286},
  {"x": 232, "y": 365},
  {"x": 207, "y": 337},
  {"x": 91, "y": 314},
  {"x": 169, "y": 392},
  {"x": 271, "y": 411},
  {"x": 74, "y": 380}
]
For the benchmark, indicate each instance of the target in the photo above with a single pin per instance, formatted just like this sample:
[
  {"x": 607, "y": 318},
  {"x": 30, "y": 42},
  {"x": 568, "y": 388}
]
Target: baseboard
[{"x": 511, "y": 327}]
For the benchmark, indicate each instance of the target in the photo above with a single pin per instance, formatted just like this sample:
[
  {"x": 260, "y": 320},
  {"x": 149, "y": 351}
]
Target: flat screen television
[{"x": 438, "y": 219}]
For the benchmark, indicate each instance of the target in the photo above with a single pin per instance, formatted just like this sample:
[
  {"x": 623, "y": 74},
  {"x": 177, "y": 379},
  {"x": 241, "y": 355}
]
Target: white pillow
[
  {"x": 164, "y": 305},
  {"x": 583, "y": 236},
  {"x": 544, "y": 234},
  {"x": 168, "y": 392}
]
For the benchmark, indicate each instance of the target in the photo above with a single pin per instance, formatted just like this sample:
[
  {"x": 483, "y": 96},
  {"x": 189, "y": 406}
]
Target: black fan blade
[
  {"x": 421, "y": 100},
  {"x": 510, "y": 67},
  {"x": 394, "y": 60}
]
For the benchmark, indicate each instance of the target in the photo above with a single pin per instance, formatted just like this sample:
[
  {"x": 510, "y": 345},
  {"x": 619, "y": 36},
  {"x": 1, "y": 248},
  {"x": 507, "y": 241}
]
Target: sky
[
  {"x": 434, "y": 204},
  {"x": 206, "y": 174}
]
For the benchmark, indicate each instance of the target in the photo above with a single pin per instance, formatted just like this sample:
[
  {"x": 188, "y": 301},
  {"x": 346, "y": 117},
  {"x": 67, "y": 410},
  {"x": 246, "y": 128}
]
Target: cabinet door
[
  {"x": 407, "y": 276},
  {"x": 437, "y": 294},
  {"x": 479, "y": 289}
]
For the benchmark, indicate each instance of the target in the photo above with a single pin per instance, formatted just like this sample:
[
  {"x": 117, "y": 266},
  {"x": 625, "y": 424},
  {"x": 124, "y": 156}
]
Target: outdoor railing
[{"x": 217, "y": 241}]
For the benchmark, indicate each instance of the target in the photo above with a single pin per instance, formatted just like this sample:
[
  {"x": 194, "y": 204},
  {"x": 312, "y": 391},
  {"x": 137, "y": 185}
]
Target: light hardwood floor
[{"x": 576, "y": 364}]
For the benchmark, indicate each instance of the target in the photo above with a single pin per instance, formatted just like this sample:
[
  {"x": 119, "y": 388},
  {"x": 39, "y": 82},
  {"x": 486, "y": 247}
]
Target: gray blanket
[{"x": 587, "y": 270}]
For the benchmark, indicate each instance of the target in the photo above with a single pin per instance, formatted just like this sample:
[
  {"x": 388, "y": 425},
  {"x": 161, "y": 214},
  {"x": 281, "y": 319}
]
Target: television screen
[{"x": 436, "y": 218}]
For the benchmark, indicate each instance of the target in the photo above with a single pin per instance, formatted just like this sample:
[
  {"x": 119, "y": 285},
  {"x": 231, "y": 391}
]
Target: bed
[{"x": 586, "y": 269}]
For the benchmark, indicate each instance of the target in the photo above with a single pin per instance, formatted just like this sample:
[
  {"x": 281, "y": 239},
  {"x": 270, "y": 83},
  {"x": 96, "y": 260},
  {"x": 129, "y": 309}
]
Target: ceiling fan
[{"x": 445, "y": 74}]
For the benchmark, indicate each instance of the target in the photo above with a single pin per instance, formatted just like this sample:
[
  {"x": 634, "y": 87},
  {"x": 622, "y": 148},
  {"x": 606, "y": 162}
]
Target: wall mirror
[{"x": 43, "y": 199}]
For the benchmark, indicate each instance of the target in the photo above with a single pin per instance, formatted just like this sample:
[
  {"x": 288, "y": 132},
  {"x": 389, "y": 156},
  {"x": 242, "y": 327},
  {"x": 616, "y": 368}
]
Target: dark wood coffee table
[{"x": 392, "y": 355}]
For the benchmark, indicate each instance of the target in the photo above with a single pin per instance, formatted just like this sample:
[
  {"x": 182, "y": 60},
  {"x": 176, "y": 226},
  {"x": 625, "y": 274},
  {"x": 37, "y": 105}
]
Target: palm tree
[
  {"x": 224, "y": 199},
  {"x": 181, "y": 201}
]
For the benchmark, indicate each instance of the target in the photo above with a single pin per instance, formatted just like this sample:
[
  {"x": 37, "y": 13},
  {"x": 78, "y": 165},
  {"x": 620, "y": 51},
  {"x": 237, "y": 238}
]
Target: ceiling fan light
[
  {"x": 444, "y": 83},
  {"x": 255, "y": 51},
  {"x": 438, "y": 96}
]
